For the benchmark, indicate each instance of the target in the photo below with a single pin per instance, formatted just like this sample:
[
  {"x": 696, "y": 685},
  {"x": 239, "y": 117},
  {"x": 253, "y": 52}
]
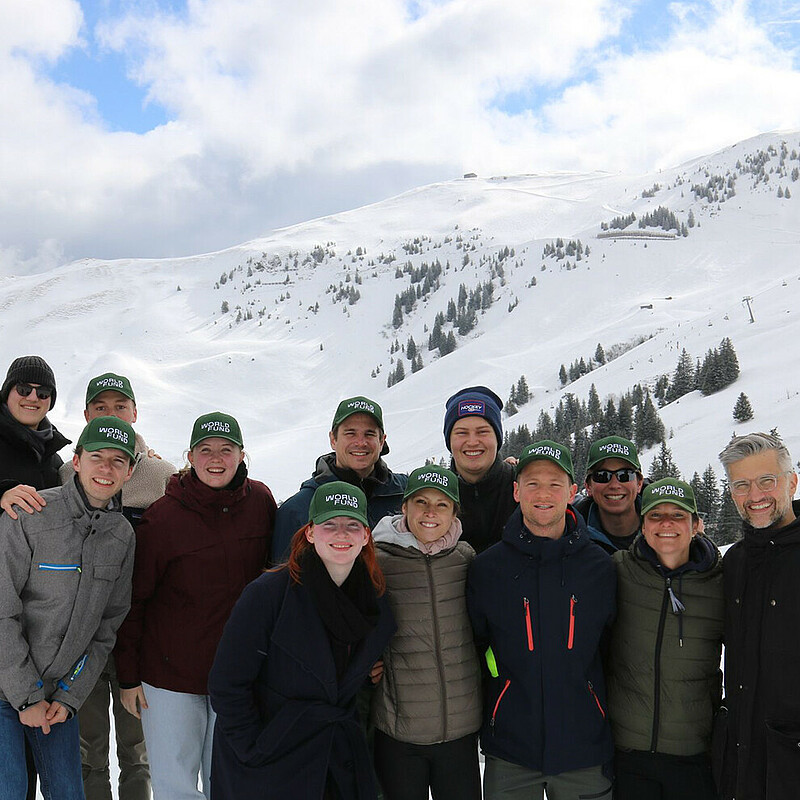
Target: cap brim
[{"x": 340, "y": 512}]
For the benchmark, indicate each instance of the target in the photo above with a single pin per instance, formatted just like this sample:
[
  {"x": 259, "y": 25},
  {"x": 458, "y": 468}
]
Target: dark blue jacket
[
  {"x": 384, "y": 490},
  {"x": 284, "y": 723},
  {"x": 543, "y": 606}
]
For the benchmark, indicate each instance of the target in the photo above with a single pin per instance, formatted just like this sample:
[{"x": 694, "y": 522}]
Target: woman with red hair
[{"x": 300, "y": 642}]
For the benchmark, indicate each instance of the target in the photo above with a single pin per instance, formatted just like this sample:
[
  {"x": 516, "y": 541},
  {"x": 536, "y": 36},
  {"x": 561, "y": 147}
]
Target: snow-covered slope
[{"x": 282, "y": 368}]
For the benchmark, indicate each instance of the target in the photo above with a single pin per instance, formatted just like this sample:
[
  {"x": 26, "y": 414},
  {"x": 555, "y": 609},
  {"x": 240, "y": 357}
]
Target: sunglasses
[
  {"x": 622, "y": 475},
  {"x": 42, "y": 392}
]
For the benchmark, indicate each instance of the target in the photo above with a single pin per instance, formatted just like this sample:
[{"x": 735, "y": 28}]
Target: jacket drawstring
[{"x": 677, "y": 608}]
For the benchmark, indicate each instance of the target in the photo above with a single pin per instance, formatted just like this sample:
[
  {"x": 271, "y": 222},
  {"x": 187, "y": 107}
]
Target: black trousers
[
  {"x": 656, "y": 776},
  {"x": 409, "y": 771}
]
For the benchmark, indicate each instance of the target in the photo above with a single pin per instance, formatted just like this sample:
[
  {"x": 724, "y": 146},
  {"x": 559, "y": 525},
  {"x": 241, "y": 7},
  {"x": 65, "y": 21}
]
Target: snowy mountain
[{"x": 311, "y": 310}]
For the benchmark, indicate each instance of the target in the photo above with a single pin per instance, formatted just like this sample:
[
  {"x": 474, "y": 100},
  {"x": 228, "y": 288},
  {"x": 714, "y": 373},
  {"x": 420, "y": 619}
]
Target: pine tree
[
  {"x": 562, "y": 375},
  {"x": 600, "y": 354},
  {"x": 625, "y": 418},
  {"x": 663, "y": 465},
  {"x": 729, "y": 363},
  {"x": 523, "y": 392},
  {"x": 648, "y": 427},
  {"x": 743, "y": 411},
  {"x": 729, "y": 525},
  {"x": 411, "y": 348},
  {"x": 683, "y": 379},
  {"x": 594, "y": 409}
]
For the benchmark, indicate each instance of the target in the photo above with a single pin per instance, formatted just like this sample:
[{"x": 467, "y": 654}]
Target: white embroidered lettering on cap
[
  {"x": 434, "y": 477},
  {"x": 342, "y": 500},
  {"x": 113, "y": 382},
  {"x": 615, "y": 448},
  {"x": 663, "y": 490},
  {"x": 213, "y": 425},
  {"x": 362, "y": 405},
  {"x": 546, "y": 451},
  {"x": 114, "y": 433}
]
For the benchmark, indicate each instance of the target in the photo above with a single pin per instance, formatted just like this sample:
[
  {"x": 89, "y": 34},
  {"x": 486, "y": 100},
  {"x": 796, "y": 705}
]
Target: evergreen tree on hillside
[
  {"x": 663, "y": 465},
  {"x": 411, "y": 348},
  {"x": 594, "y": 409},
  {"x": 709, "y": 498},
  {"x": 683, "y": 380},
  {"x": 562, "y": 375},
  {"x": 545, "y": 429},
  {"x": 648, "y": 427},
  {"x": 600, "y": 354},
  {"x": 625, "y": 418},
  {"x": 729, "y": 363},
  {"x": 729, "y": 524},
  {"x": 523, "y": 392},
  {"x": 743, "y": 411}
]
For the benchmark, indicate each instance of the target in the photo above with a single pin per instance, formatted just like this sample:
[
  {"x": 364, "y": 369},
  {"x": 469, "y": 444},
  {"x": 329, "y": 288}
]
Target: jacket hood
[
  {"x": 393, "y": 530},
  {"x": 191, "y": 492},
  {"x": 574, "y": 538},
  {"x": 326, "y": 470},
  {"x": 703, "y": 556}
]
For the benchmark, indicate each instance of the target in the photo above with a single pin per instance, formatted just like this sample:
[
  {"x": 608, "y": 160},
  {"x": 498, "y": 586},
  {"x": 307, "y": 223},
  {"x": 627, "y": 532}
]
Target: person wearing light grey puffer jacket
[
  {"x": 427, "y": 707},
  {"x": 65, "y": 588}
]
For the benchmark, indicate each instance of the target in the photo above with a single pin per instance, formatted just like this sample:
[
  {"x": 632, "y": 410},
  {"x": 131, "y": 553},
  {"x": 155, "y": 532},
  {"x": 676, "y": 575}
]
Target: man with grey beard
[{"x": 757, "y": 752}]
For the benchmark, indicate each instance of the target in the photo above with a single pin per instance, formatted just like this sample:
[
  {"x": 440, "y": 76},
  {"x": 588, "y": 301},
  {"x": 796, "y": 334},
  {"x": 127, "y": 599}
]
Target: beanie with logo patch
[{"x": 474, "y": 401}]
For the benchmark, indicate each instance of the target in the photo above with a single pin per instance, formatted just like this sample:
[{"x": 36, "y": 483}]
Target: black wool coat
[
  {"x": 21, "y": 463},
  {"x": 758, "y": 753},
  {"x": 284, "y": 722}
]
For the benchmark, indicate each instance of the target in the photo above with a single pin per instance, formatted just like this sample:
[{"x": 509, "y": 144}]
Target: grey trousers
[
  {"x": 95, "y": 728},
  {"x": 503, "y": 780}
]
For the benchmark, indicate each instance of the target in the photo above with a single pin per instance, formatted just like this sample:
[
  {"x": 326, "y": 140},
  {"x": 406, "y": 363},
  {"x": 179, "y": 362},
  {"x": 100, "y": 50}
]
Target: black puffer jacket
[
  {"x": 25, "y": 459},
  {"x": 486, "y": 505},
  {"x": 761, "y": 575}
]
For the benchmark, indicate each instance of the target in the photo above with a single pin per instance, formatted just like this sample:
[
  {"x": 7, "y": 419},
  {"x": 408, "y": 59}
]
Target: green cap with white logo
[
  {"x": 216, "y": 424},
  {"x": 433, "y": 477},
  {"x": 112, "y": 432},
  {"x": 357, "y": 405},
  {"x": 613, "y": 447},
  {"x": 109, "y": 382},
  {"x": 550, "y": 451},
  {"x": 338, "y": 499},
  {"x": 669, "y": 490}
]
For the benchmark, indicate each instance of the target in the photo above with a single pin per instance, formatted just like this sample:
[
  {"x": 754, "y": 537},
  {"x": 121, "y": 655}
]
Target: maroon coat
[{"x": 196, "y": 550}]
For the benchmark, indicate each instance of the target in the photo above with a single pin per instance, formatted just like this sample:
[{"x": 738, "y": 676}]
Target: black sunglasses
[
  {"x": 622, "y": 475},
  {"x": 42, "y": 392}
]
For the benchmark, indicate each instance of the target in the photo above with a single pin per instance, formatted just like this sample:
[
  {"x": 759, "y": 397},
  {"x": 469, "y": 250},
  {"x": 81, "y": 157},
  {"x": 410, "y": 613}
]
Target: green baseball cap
[
  {"x": 103, "y": 432},
  {"x": 668, "y": 490},
  {"x": 549, "y": 450},
  {"x": 338, "y": 499},
  {"x": 216, "y": 424},
  {"x": 613, "y": 447},
  {"x": 432, "y": 477},
  {"x": 357, "y": 405},
  {"x": 109, "y": 382}
]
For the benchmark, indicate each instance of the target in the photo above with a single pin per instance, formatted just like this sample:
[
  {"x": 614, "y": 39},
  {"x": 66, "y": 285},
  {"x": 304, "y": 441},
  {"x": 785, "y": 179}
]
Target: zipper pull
[{"x": 528, "y": 623}]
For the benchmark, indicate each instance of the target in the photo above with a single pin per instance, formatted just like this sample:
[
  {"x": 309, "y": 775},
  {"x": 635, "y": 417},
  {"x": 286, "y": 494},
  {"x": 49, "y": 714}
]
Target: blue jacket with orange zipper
[{"x": 543, "y": 606}]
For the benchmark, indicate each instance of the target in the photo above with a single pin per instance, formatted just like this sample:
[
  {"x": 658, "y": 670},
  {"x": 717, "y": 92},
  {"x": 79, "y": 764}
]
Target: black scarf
[{"x": 348, "y": 612}]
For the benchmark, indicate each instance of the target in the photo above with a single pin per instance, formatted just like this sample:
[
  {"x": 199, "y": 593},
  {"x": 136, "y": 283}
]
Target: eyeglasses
[
  {"x": 766, "y": 483},
  {"x": 42, "y": 392},
  {"x": 622, "y": 475}
]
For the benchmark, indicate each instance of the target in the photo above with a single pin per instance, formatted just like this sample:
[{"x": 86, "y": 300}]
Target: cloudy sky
[{"x": 171, "y": 127}]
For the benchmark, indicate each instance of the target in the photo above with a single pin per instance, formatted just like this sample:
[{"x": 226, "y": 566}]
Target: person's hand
[
  {"x": 35, "y": 716},
  {"x": 513, "y": 460},
  {"x": 57, "y": 713},
  {"x": 26, "y": 497},
  {"x": 376, "y": 673},
  {"x": 152, "y": 454},
  {"x": 133, "y": 700}
]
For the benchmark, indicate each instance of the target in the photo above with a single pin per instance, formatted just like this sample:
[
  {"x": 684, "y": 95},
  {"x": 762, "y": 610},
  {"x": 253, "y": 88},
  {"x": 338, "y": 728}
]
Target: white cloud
[{"x": 285, "y": 111}]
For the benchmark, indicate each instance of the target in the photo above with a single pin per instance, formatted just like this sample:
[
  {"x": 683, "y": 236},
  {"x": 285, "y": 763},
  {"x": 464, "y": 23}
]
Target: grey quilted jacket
[
  {"x": 430, "y": 691},
  {"x": 65, "y": 588}
]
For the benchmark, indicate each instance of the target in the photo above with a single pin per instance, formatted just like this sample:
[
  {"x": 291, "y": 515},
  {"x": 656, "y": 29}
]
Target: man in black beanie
[
  {"x": 473, "y": 433},
  {"x": 29, "y": 446},
  {"x": 29, "y": 443}
]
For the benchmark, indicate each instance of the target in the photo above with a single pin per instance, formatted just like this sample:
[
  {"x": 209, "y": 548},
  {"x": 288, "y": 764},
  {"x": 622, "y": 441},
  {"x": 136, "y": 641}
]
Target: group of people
[{"x": 373, "y": 632}]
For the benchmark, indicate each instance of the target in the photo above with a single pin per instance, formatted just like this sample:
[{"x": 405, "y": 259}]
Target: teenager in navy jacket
[
  {"x": 542, "y": 599},
  {"x": 299, "y": 644}
]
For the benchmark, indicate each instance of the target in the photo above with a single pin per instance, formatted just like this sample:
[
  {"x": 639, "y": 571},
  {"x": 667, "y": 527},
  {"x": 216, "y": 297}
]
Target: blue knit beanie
[{"x": 474, "y": 401}]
